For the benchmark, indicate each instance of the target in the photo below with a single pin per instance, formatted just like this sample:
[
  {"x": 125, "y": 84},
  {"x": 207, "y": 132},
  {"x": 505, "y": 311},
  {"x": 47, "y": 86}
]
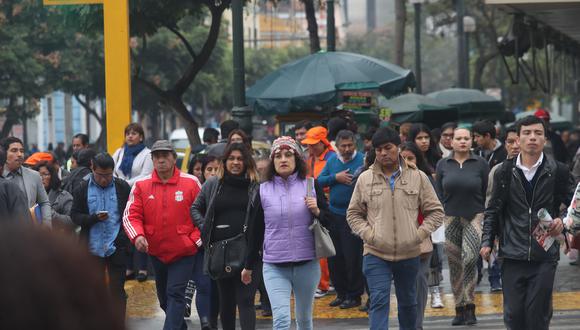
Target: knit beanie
[{"x": 285, "y": 142}]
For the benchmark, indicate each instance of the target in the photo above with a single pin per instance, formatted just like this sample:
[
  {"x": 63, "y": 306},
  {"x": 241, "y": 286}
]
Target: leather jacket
[{"x": 510, "y": 217}]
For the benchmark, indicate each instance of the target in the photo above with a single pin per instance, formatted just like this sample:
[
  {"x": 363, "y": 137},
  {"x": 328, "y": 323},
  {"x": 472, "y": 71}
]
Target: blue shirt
[
  {"x": 392, "y": 178},
  {"x": 340, "y": 194},
  {"x": 102, "y": 235}
]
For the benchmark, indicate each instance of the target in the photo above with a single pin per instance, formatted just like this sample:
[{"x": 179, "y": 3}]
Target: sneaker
[
  {"x": 320, "y": 293},
  {"x": 436, "y": 301},
  {"x": 495, "y": 288},
  {"x": 331, "y": 289}
]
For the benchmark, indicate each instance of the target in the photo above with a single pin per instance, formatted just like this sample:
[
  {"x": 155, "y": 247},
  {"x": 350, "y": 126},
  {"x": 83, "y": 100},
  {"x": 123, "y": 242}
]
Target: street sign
[{"x": 117, "y": 66}]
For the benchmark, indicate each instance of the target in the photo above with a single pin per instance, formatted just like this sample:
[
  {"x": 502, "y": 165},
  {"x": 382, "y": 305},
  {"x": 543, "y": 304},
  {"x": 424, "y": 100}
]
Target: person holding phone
[
  {"x": 98, "y": 205},
  {"x": 288, "y": 203},
  {"x": 346, "y": 267}
]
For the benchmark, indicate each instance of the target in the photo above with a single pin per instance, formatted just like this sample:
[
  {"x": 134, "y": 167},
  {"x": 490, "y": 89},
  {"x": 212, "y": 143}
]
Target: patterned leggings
[{"x": 463, "y": 240}]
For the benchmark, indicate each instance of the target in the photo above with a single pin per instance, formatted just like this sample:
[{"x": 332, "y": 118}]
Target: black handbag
[{"x": 227, "y": 257}]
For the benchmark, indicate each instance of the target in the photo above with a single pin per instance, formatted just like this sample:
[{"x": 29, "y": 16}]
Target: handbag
[
  {"x": 322, "y": 241},
  {"x": 227, "y": 257}
]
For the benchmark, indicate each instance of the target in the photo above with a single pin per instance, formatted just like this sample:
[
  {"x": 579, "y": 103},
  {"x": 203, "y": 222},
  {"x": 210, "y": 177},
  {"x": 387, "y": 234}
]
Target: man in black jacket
[
  {"x": 522, "y": 187},
  {"x": 13, "y": 202},
  {"x": 488, "y": 147},
  {"x": 98, "y": 207}
]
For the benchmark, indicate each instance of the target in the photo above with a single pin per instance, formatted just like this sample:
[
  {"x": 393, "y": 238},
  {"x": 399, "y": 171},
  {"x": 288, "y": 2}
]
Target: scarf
[{"x": 129, "y": 154}]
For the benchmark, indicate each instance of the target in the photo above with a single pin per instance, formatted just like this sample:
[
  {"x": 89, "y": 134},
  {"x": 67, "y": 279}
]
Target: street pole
[
  {"x": 240, "y": 112},
  {"x": 418, "y": 74},
  {"x": 460, "y": 9},
  {"x": 371, "y": 15},
  {"x": 330, "y": 27}
]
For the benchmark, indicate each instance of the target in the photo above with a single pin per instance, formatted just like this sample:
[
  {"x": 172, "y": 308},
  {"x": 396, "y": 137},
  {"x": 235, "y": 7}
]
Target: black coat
[
  {"x": 80, "y": 210},
  {"x": 510, "y": 217}
]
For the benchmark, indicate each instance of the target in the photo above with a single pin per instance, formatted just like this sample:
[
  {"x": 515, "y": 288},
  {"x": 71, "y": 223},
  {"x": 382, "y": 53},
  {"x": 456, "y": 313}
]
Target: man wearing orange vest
[{"x": 320, "y": 151}]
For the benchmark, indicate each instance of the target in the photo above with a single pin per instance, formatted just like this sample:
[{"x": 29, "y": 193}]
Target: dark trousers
[
  {"x": 115, "y": 266},
  {"x": 202, "y": 288},
  {"x": 346, "y": 266},
  {"x": 233, "y": 293},
  {"x": 527, "y": 294},
  {"x": 141, "y": 260},
  {"x": 171, "y": 281}
]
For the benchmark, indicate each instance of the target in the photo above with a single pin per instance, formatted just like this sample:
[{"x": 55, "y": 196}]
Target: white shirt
[{"x": 529, "y": 172}]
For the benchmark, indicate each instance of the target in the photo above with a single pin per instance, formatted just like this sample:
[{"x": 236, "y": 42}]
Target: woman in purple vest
[{"x": 289, "y": 256}]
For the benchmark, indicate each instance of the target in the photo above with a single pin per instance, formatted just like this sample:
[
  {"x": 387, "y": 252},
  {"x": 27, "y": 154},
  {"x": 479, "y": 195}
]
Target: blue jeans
[
  {"x": 380, "y": 273},
  {"x": 170, "y": 281},
  {"x": 202, "y": 287},
  {"x": 281, "y": 281}
]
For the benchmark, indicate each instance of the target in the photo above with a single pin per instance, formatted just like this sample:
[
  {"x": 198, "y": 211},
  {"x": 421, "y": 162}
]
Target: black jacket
[
  {"x": 73, "y": 180},
  {"x": 202, "y": 213},
  {"x": 80, "y": 210},
  {"x": 13, "y": 203},
  {"x": 495, "y": 157},
  {"x": 510, "y": 217}
]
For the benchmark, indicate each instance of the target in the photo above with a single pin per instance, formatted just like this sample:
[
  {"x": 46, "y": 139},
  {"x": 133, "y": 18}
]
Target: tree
[
  {"x": 147, "y": 17},
  {"x": 26, "y": 51},
  {"x": 310, "y": 12},
  {"x": 400, "y": 23},
  {"x": 80, "y": 71}
]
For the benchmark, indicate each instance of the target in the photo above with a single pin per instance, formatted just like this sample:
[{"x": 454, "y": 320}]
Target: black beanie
[{"x": 386, "y": 135}]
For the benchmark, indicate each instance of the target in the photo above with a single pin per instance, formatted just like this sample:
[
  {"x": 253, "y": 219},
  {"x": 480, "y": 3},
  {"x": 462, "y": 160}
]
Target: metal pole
[
  {"x": 466, "y": 59},
  {"x": 240, "y": 112},
  {"x": 330, "y": 26},
  {"x": 371, "y": 15},
  {"x": 418, "y": 74},
  {"x": 460, "y": 8}
]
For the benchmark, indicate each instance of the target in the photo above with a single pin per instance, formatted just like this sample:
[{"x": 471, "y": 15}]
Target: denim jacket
[{"x": 102, "y": 234}]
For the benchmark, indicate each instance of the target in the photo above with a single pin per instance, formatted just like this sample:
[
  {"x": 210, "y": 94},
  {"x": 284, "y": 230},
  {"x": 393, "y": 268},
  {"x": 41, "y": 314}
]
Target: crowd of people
[{"x": 394, "y": 203}]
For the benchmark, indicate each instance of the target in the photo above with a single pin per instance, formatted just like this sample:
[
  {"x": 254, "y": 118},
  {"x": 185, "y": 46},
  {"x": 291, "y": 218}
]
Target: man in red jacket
[{"x": 157, "y": 220}]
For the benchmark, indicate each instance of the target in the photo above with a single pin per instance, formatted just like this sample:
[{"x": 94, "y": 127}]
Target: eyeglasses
[{"x": 447, "y": 136}]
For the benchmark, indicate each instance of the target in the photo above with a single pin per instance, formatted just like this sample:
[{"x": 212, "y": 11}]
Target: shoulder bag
[{"x": 227, "y": 257}]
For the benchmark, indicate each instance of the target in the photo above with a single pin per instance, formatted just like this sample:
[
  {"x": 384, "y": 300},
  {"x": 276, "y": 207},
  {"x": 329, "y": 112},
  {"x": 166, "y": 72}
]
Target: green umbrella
[
  {"x": 419, "y": 108},
  {"x": 471, "y": 103},
  {"x": 313, "y": 82},
  {"x": 557, "y": 122}
]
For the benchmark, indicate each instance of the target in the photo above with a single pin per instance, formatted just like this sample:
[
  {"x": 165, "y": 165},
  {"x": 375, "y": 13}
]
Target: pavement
[{"x": 144, "y": 314}]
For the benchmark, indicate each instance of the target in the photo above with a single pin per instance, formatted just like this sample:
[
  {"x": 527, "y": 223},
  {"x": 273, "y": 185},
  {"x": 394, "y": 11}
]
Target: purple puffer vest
[{"x": 286, "y": 217}]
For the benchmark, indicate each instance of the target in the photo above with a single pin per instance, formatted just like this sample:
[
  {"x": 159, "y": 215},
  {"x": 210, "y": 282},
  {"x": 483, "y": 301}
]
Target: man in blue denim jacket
[{"x": 98, "y": 206}]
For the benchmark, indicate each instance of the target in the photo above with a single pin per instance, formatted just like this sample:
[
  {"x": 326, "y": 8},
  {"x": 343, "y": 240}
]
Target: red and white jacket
[{"x": 160, "y": 212}]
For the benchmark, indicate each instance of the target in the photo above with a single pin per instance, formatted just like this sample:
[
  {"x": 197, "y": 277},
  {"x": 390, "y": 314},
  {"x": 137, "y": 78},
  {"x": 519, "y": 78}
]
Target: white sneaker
[
  {"x": 320, "y": 293},
  {"x": 436, "y": 301},
  {"x": 331, "y": 289}
]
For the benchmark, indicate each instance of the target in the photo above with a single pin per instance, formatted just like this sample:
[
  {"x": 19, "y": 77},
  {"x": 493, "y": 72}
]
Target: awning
[{"x": 561, "y": 15}]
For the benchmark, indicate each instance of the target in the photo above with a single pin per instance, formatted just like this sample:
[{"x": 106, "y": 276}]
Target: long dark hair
[
  {"x": 54, "y": 183},
  {"x": 432, "y": 156},
  {"x": 301, "y": 169},
  {"x": 249, "y": 163},
  {"x": 421, "y": 162},
  {"x": 204, "y": 162}
]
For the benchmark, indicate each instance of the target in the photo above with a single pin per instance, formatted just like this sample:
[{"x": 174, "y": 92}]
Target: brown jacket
[{"x": 386, "y": 220}]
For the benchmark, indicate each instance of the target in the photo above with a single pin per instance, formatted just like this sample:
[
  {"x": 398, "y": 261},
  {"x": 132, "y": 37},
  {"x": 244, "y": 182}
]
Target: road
[{"x": 144, "y": 313}]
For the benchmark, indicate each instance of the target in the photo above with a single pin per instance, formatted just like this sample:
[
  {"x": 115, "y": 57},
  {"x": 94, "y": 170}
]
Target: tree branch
[
  {"x": 183, "y": 40},
  {"x": 88, "y": 108},
  {"x": 163, "y": 95},
  {"x": 216, "y": 13}
]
